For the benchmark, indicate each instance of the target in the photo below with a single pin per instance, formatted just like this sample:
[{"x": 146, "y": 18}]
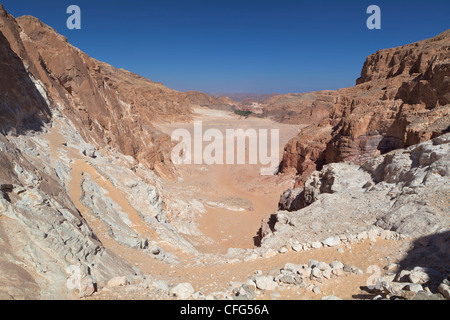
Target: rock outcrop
[
  {"x": 401, "y": 99},
  {"x": 109, "y": 106},
  {"x": 50, "y": 87},
  {"x": 22, "y": 103},
  {"x": 85, "y": 206},
  {"x": 405, "y": 191},
  {"x": 42, "y": 233}
]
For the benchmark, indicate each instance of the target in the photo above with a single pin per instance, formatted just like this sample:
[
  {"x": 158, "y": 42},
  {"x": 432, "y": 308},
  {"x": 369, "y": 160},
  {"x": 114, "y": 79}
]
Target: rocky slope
[
  {"x": 61, "y": 111},
  {"x": 203, "y": 100},
  {"x": 405, "y": 191},
  {"x": 109, "y": 107},
  {"x": 401, "y": 99}
]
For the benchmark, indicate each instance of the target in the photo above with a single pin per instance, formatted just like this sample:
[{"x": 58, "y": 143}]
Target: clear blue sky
[{"x": 251, "y": 46}]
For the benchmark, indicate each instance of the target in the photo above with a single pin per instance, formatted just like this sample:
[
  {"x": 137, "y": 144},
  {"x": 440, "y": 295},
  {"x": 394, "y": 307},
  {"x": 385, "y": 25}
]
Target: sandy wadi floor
[{"x": 237, "y": 197}]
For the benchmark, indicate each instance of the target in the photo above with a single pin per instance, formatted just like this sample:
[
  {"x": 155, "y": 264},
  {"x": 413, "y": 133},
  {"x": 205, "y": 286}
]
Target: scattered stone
[
  {"x": 357, "y": 271},
  {"x": 182, "y": 291},
  {"x": 305, "y": 272},
  {"x": 391, "y": 267},
  {"x": 270, "y": 253},
  {"x": 347, "y": 268},
  {"x": 251, "y": 257},
  {"x": 90, "y": 152},
  {"x": 291, "y": 200},
  {"x": 292, "y": 267},
  {"x": 408, "y": 295},
  {"x": 198, "y": 296},
  {"x": 275, "y": 295},
  {"x": 233, "y": 261},
  {"x": 337, "y": 265},
  {"x": 316, "y": 245},
  {"x": 323, "y": 266},
  {"x": 416, "y": 288},
  {"x": 155, "y": 250},
  {"x": 331, "y": 298},
  {"x": 327, "y": 274},
  {"x": 248, "y": 291},
  {"x": 313, "y": 263},
  {"x": 251, "y": 283},
  {"x": 7, "y": 188},
  {"x": 117, "y": 282},
  {"x": 362, "y": 236},
  {"x": 287, "y": 279},
  {"x": 161, "y": 286},
  {"x": 338, "y": 272},
  {"x": 393, "y": 288},
  {"x": 316, "y": 290},
  {"x": 274, "y": 272},
  {"x": 388, "y": 278},
  {"x": 283, "y": 250}
]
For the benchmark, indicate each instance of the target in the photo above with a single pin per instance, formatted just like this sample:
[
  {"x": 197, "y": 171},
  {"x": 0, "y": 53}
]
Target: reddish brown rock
[
  {"x": 401, "y": 99},
  {"x": 109, "y": 107}
]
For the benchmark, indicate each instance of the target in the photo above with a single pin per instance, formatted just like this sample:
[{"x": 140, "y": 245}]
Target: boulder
[
  {"x": 117, "y": 282},
  {"x": 265, "y": 283}
]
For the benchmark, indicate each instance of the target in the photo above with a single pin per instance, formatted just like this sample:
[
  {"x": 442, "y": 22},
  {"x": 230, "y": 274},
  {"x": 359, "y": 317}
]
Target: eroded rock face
[
  {"x": 295, "y": 108},
  {"x": 109, "y": 106},
  {"x": 406, "y": 191},
  {"x": 401, "y": 99},
  {"x": 44, "y": 80},
  {"x": 204, "y": 100},
  {"x": 23, "y": 107}
]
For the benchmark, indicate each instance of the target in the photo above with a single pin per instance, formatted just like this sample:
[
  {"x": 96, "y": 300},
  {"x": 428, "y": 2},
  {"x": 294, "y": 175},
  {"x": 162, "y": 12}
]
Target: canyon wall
[{"x": 402, "y": 98}]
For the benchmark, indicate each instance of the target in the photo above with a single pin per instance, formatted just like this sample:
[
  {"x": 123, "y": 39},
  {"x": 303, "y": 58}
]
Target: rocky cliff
[
  {"x": 109, "y": 106},
  {"x": 62, "y": 111},
  {"x": 401, "y": 99},
  {"x": 404, "y": 191},
  {"x": 85, "y": 211}
]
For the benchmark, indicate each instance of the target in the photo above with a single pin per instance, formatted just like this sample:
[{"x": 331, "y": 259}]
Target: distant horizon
[{"x": 244, "y": 47}]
